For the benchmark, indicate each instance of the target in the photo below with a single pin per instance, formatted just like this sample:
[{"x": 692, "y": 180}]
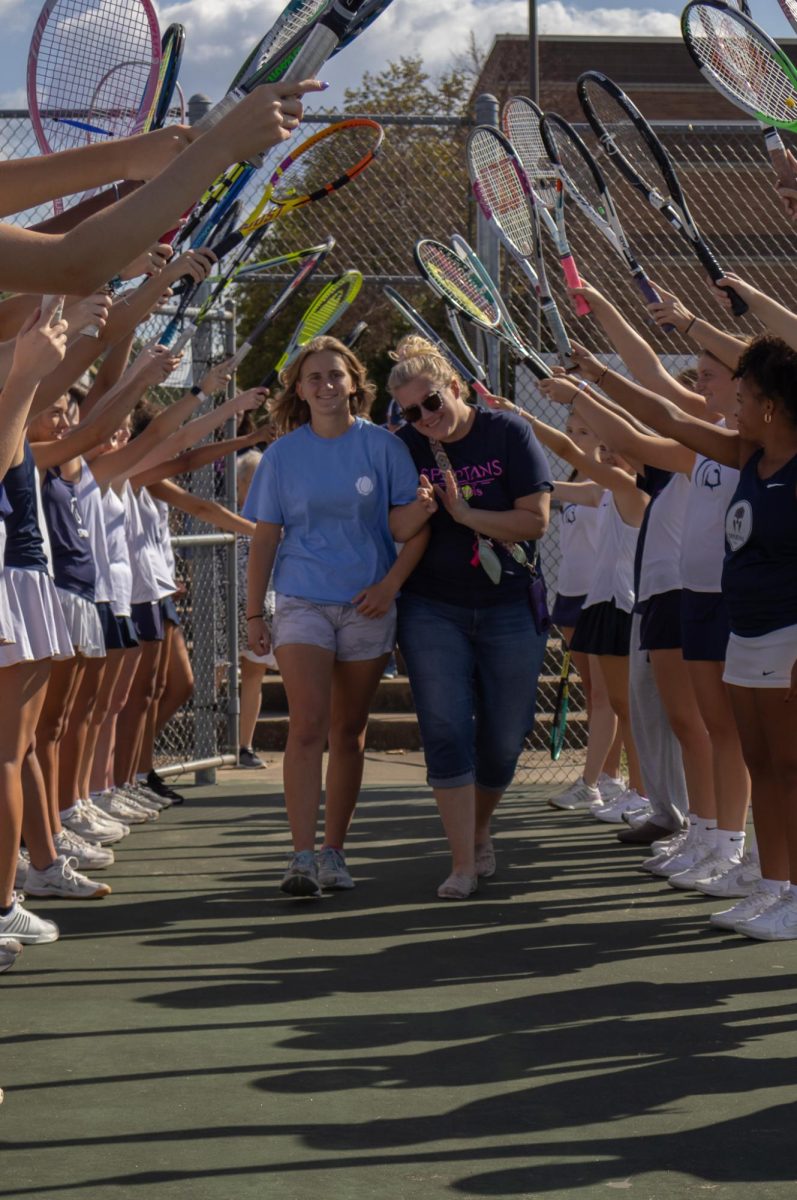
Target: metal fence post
[
  {"x": 233, "y": 600},
  {"x": 487, "y": 244}
]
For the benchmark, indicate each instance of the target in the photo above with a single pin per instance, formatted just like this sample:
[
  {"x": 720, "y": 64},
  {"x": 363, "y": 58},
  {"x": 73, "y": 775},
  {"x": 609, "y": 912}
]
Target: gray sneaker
[
  {"x": 332, "y": 870},
  {"x": 301, "y": 878}
]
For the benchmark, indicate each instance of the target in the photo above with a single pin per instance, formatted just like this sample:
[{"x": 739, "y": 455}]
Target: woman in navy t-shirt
[{"x": 466, "y": 626}]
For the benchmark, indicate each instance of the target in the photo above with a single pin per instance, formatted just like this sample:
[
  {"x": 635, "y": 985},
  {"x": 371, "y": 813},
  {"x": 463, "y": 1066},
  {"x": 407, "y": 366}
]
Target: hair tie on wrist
[
  {"x": 255, "y": 617},
  {"x": 689, "y": 326}
]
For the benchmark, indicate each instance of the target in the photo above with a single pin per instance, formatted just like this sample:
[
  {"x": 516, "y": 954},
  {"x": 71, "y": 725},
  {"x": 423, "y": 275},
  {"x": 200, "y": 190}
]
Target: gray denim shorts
[{"x": 336, "y": 627}]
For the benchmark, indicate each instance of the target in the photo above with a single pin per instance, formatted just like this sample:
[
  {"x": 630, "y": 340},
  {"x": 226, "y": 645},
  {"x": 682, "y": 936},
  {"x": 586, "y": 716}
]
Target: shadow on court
[{"x": 572, "y": 1030}]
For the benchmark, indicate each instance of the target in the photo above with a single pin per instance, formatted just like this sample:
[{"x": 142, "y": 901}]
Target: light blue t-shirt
[{"x": 332, "y": 496}]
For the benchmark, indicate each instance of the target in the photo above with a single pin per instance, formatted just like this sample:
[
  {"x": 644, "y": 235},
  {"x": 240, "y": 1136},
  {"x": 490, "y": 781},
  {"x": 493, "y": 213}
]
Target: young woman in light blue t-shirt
[{"x": 330, "y": 499}]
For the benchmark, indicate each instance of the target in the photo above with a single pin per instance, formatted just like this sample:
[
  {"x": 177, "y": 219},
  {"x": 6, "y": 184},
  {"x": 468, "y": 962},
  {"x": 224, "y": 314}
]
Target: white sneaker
[
  {"x": 62, "y": 880},
  {"x": 709, "y": 869},
  {"x": 25, "y": 926},
  {"x": 759, "y": 900},
  {"x": 778, "y": 923},
  {"x": 88, "y": 854},
  {"x": 627, "y": 801},
  {"x": 142, "y": 790},
  {"x": 136, "y": 799},
  {"x": 693, "y": 851},
  {"x": 332, "y": 870},
  {"x": 10, "y": 950},
  {"x": 577, "y": 795},
  {"x": 672, "y": 843},
  {"x": 740, "y": 881},
  {"x": 21, "y": 873},
  {"x": 634, "y": 817},
  {"x": 91, "y": 823},
  {"x": 114, "y": 806},
  {"x": 610, "y": 787}
]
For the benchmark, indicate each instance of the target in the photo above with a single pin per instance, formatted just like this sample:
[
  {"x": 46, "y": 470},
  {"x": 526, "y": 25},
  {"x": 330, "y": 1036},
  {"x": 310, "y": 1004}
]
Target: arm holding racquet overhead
[
  {"x": 779, "y": 320},
  {"x": 723, "y": 345}
]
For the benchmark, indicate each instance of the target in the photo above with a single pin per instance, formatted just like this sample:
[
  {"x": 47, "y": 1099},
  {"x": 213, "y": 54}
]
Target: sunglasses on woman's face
[{"x": 413, "y": 412}]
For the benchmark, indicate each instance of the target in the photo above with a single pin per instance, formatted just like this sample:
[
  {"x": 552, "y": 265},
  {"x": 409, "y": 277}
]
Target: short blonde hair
[
  {"x": 415, "y": 356},
  {"x": 288, "y": 411}
]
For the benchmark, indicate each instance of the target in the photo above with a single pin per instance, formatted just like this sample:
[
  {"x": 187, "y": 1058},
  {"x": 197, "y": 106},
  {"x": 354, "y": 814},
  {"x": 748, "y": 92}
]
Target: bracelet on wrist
[
  {"x": 602, "y": 376},
  {"x": 689, "y": 326},
  {"x": 255, "y": 617}
]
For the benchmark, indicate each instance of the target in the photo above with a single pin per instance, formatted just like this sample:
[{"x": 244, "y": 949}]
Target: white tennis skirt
[
  {"x": 83, "y": 623},
  {"x": 37, "y": 626},
  {"x": 761, "y": 662},
  {"x": 6, "y": 624}
]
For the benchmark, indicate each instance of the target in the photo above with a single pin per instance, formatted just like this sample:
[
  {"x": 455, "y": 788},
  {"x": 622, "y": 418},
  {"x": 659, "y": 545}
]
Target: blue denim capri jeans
[{"x": 473, "y": 673}]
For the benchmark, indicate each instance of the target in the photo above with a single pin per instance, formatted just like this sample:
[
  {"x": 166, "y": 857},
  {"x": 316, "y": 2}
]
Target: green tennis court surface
[{"x": 573, "y": 1031}]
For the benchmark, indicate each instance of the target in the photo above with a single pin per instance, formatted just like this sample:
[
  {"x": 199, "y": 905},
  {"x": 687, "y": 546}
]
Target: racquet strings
[
  {"x": 579, "y": 176},
  {"x": 457, "y": 282},
  {"x": 329, "y": 306},
  {"x": 741, "y": 64},
  {"x": 498, "y": 180},
  {"x": 521, "y": 124},
  {"x": 298, "y": 15},
  {"x": 95, "y": 68},
  {"x": 617, "y": 123}
]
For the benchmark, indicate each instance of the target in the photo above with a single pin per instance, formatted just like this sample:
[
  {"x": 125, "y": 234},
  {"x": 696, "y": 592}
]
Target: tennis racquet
[
  {"x": 587, "y": 187},
  {"x": 639, "y": 156},
  {"x": 172, "y": 46},
  {"x": 310, "y": 172},
  {"x": 455, "y": 325},
  {"x": 506, "y": 200},
  {"x": 92, "y": 71},
  {"x": 747, "y": 67},
  {"x": 324, "y": 311},
  {"x": 520, "y": 121},
  {"x": 559, "y": 722},
  {"x": 353, "y": 336},
  {"x": 422, "y": 326},
  {"x": 172, "y": 336},
  {"x": 462, "y": 287}
]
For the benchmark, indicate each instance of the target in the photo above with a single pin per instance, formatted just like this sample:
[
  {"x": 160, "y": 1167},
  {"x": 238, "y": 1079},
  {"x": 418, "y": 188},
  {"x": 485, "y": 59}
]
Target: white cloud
[{"x": 555, "y": 17}]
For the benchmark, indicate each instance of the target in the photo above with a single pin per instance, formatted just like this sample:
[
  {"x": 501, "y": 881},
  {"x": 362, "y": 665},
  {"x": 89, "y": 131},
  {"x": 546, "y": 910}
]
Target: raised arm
[
  {"x": 204, "y": 510},
  {"x": 723, "y": 345},
  {"x": 39, "y": 347},
  {"x": 779, "y": 320},
  {"x": 638, "y": 355},
  {"x": 100, "y": 246},
  {"x": 194, "y": 432},
  {"x": 200, "y": 456}
]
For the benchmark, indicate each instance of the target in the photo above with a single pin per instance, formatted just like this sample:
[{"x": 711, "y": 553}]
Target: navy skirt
[
  {"x": 148, "y": 621},
  {"x": 660, "y": 627},
  {"x": 705, "y": 626},
  {"x": 603, "y": 629},
  {"x": 567, "y": 610},
  {"x": 119, "y": 632}
]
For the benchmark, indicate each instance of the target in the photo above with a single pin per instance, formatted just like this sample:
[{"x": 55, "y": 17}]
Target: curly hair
[
  {"x": 771, "y": 364},
  {"x": 287, "y": 409},
  {"x": 415, "y": 356}
]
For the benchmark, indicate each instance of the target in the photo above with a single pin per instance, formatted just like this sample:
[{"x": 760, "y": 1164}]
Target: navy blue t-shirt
[
  {"x": 73, "y": 562},
  {"x": 759, "y": 575},
  {"x": 24, "y": 543},
  {"x": 498, "y": 461}
]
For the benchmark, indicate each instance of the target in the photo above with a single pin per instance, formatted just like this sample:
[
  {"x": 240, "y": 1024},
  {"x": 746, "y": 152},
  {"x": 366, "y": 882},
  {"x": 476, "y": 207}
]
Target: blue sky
[{"x": 220, "y": 32}]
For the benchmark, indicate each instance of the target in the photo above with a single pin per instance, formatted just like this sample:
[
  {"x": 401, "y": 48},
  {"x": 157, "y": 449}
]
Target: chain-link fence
[{"x": 418, "y": 187}]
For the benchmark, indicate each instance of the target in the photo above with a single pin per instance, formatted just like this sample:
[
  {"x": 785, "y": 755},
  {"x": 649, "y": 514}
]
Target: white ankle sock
[{"x": 729, "y": 843}]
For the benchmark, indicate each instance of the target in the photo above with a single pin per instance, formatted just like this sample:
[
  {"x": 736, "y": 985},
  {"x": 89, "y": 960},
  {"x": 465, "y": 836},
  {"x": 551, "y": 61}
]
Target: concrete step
[
  {"x": 399, "y": 731},
  {"x": 395, "y": 695}
]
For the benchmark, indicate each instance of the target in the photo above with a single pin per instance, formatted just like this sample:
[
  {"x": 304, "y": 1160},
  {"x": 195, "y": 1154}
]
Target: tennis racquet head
[
  {"x": 561, "y": 705},
  {"x": 422, "y": 326},
  {"x": 298, "y": 16},
  {"x": 741, "y": 62},
  {"x": 353, "y": 336},
  {"x": 323, "y": 312},
  {"x": 92, "y": 71},
  {"x": 172, "y": 47},
  {"x": 467, "y": 291},
  {"x": 506, "y": 200},
  {"x": 630, "y": 143},
  {"x": 320, "y": 166}
]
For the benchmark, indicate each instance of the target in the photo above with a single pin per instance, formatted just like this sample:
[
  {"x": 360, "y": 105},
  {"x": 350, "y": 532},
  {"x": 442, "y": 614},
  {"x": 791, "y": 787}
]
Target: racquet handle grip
[
  {"x": 580, "y": 303},
  {"x": 239, "y": 356},
  {"x": 228, "y": 243},
  {"x": 184, "y": 338},
  {"x": 220, "y": 110},
  {"x": 738, "y": 305},
  {"x": 650, "y": 295}
]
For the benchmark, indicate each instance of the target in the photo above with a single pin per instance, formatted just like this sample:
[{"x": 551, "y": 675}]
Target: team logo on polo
[
  {"x": 738, "y": 524},
  {"x": 365, "y": 485}
]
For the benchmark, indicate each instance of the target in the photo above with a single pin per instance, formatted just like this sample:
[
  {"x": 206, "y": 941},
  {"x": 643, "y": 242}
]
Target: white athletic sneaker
[
  {"x": 25, "y": 926},
  {"x": 634, "y": 817},
  {"x": 707, "y": 870},
  {"x": 672, "y": 843},
  {"x": 759, "y": 900},
  {"x": 21, "y": 873},
  {"x": 301, "y": 878},
  {"x": 627, "y": 801},
  {"x": 576, "y": 796},
  {"x": 61, "y": 879},
  {"x": 778, "y": 923},
  {"x": 332, "y": 870},
  {"x": 610, "y": 787},
  {"x": 142, "y": 790},
  {"x": 112, "y": 804},
  {"x": 10, "y": 950},
  {"x": 739, "y": 881},
  {"x": 90, "y": 822},
  {"x": 693, "y": 851},
  {"x": 136, "y": 799},
  {"x": 88, "y": 854}
]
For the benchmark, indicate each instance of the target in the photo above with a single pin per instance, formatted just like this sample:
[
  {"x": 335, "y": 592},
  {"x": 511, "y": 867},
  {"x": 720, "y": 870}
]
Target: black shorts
[
  {"x": 148, "y": 621},
  {"x": 119, "y": 632},
  {"x": 660, "y": 627},
  {"x": 567, "y": 610},
  {"x": 603, "y": 629},
  {"x": 705, "y": 626}
]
